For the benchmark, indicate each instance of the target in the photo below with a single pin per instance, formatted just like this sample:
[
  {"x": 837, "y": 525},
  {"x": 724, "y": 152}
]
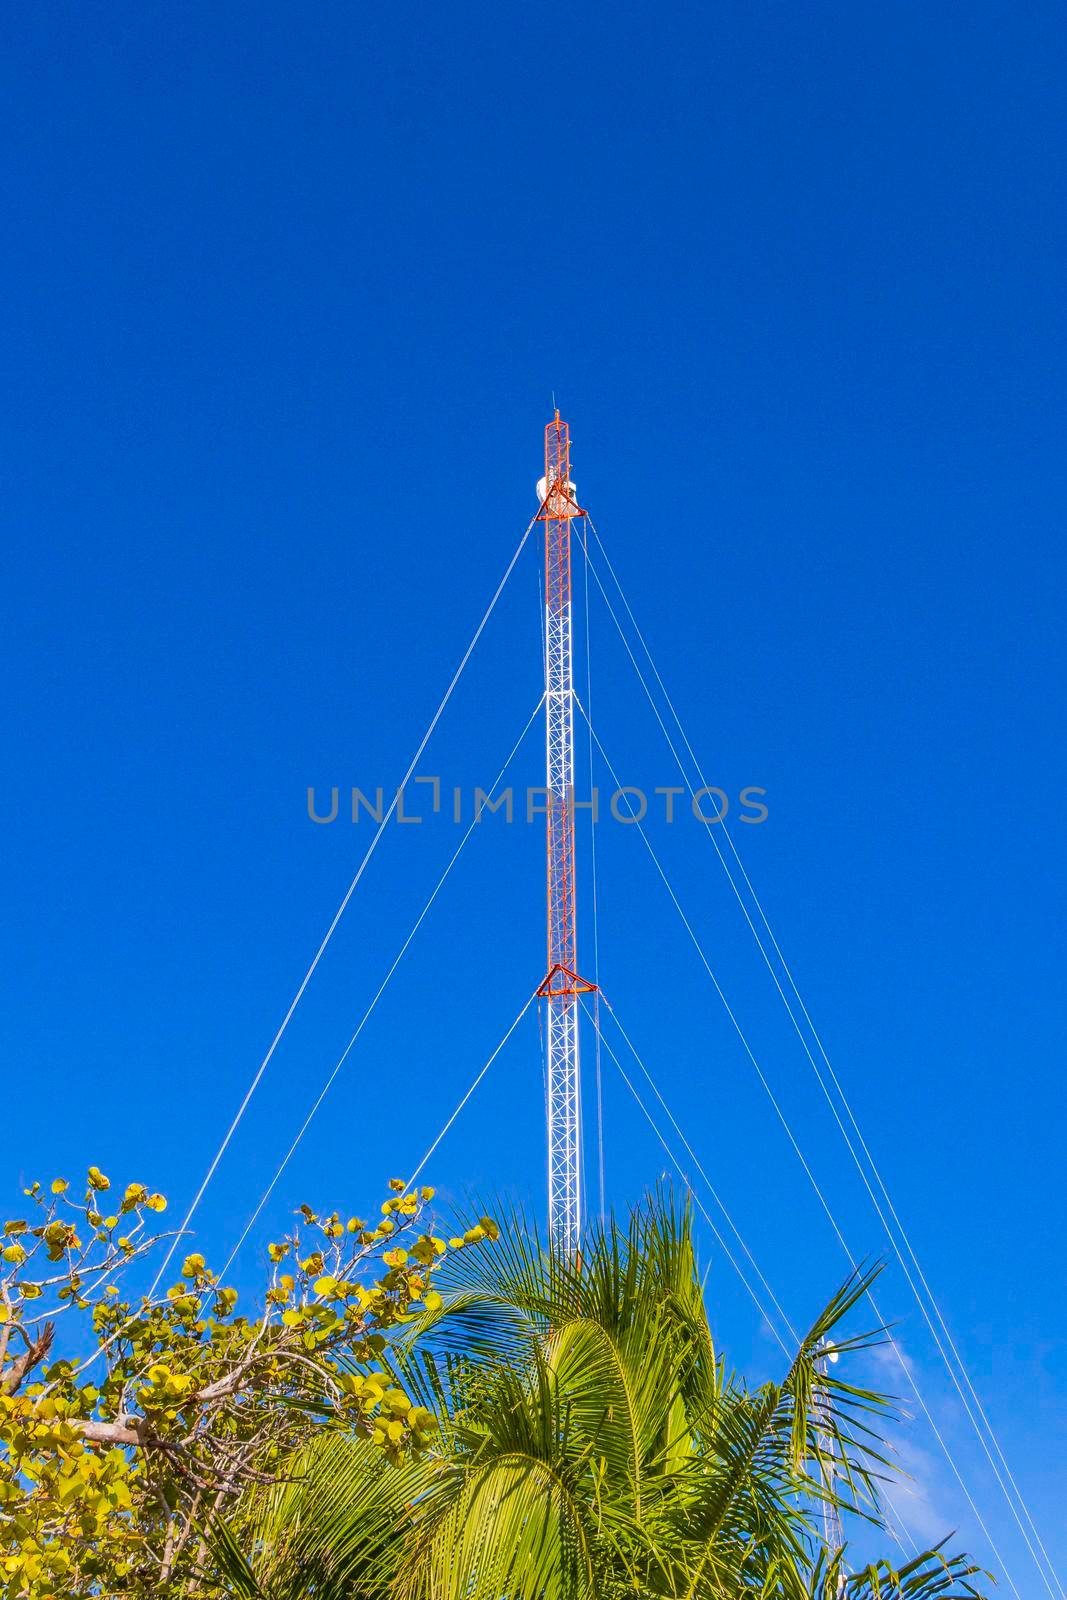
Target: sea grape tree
[{"x": 129, "y": 1421}]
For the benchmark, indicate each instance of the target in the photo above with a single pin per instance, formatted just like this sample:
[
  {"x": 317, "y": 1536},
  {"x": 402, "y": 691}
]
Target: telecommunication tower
[
  {"x": 833, "y": 1535},
  {"x": 562, "y": 986}
]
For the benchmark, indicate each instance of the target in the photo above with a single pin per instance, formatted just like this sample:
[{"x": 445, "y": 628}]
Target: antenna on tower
[
  {"x": 833, "y": 1536},
  {"x": 562, "y": 985}
]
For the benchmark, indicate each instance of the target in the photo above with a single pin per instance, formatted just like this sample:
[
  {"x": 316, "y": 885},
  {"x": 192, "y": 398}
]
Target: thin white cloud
[{"x": 915, "y": 1499}]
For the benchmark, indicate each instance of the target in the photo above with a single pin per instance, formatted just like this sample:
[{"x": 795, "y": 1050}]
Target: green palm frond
[
  {"x": 512, "y": 1526},
  {"x": 591, "y": 1443},
  {"x": 333, "y": 1527},
  {"x": 231, "y": 1561},
  {"x": 933, "y": 1575}
]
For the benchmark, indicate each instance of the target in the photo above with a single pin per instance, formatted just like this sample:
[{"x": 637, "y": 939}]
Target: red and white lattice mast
[{"x": 562, "y": 985}]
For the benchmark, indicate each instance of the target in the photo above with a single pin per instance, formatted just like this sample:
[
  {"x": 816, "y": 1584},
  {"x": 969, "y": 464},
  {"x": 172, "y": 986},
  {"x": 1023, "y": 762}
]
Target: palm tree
[{"x": 594, "y": 1446}]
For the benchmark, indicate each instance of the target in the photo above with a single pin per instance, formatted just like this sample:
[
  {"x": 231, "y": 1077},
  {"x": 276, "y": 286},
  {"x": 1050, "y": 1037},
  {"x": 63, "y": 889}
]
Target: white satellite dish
[{"x": 542, "y": 490}]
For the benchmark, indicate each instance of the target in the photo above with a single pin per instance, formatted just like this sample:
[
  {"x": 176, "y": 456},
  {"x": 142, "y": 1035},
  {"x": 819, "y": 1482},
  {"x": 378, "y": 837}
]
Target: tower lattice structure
[{"x": 562, "y": 986}]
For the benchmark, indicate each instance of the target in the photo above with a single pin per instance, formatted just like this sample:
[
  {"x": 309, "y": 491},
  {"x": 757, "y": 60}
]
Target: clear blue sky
[{"x": 288, "y": 291}]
